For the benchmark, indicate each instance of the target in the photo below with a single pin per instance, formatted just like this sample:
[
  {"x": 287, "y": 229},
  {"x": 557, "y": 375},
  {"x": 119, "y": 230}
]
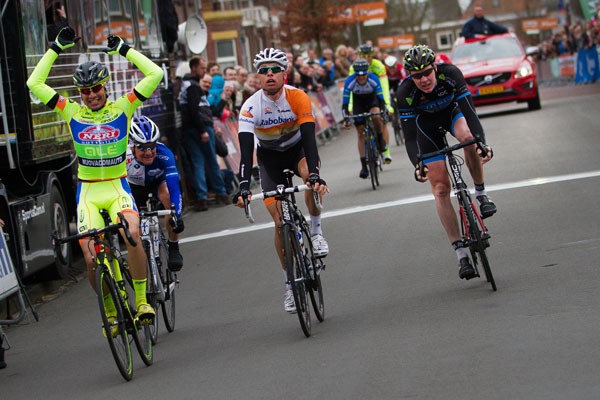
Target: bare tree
[{"x": 312, "y": 20}]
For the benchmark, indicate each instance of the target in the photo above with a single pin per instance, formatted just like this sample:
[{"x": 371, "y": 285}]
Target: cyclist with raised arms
[
  {"x": 280, "y": 117},
  {"x": 366, "y": 51},
  {"x": 364, "y": 89},
  {"x": 151, "y": 169},
  {"x": 433, "y": 96},
  {"x": 99, "y": 129}
]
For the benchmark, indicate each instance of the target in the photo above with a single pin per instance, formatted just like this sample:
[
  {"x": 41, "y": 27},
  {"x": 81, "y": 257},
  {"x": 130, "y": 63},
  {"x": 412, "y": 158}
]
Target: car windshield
[{"x": 486, "y": 50}]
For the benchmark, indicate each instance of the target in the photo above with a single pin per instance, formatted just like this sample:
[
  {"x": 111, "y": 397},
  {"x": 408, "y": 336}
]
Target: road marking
[{"x": 395, "y": 203}]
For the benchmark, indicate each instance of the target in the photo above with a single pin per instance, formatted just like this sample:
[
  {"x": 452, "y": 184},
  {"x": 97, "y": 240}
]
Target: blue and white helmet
[
  {"x": 270, "y": 55},
  {"x": 143, "y": 130}
]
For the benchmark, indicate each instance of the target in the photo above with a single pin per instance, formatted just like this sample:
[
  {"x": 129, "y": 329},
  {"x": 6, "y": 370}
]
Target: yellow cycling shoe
[
  {"x": 114, "y": 328},
  {"x": 145, "y": 314}
]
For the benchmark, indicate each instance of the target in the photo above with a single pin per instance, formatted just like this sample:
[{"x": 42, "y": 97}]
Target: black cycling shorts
[
  {"x": 271, "y": 164},
  {"x": 429, "y": 138}
]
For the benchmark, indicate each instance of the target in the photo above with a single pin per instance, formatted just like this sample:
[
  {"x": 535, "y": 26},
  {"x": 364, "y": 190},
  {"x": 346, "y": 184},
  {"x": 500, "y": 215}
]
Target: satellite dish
[{"x": 196, "y": 34}]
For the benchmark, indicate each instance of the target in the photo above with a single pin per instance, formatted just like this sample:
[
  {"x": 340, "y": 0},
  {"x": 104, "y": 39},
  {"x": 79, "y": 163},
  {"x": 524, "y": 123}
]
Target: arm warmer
[
  {"x": 247, "y": 150},
  {"x": 309, "y": 143}
]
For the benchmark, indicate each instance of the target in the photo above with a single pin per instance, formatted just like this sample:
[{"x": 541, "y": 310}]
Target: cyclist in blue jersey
[
  {"x": 434, "y": 96},
  {"x": 363, "y": 89},
  {"x": 151, "y": 169}
]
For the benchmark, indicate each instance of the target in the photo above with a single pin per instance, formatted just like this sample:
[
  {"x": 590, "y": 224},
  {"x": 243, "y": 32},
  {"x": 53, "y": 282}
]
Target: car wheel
[{"x": 534, "y": 104}]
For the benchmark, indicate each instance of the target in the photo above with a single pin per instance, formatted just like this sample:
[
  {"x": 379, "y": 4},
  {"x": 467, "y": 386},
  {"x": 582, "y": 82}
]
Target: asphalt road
[{"x": 399, "y": 322}]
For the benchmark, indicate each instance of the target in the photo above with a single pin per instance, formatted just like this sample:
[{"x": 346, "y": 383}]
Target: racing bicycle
[
  {"x": 303, "y": 267},
  {"x": 113, "y": 280},
  {"x": 162, "y": 282},
  {"x": 373, "y": 155},
  {"x": 474, "y": 232}
]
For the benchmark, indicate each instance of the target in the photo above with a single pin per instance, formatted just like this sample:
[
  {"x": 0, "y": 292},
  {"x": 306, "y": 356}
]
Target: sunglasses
[
  {"x": 88, "y": 91},
  {"x": 144, "y": 147},
  {"x": 274, "y": 69},
  {"x": 419, "y": 75}
]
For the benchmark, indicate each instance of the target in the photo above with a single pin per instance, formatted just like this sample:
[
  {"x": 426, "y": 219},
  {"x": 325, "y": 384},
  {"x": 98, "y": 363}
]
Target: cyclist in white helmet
[
  {"x": 151, "y": 168},
  {"x": 281, "y": 118}
]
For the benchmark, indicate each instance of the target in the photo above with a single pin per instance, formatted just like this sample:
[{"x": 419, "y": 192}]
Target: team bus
[{"x": 37, "y": 163}]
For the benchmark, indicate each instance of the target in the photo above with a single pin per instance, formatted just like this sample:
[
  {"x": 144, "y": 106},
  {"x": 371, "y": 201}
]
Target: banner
[
  {"x": 360, "y": 12},
  {"x": 587, "y": 70}
]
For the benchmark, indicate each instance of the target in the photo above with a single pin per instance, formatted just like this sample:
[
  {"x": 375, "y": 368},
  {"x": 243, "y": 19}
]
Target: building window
[
  {"x": 444, "y": 40},
  {"x": 226, "y": 54}
]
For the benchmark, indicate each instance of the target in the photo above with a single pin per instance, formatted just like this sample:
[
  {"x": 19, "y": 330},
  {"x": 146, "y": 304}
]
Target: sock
[
  {"x": 363, "y": 162},
  {"x": 315, "y": 225},
  {"x": 139, "y": 286},
  {"x": 459, "y": 248},
  {"x": 109, "y": 305},
  {"x": 480, "y": 189}
]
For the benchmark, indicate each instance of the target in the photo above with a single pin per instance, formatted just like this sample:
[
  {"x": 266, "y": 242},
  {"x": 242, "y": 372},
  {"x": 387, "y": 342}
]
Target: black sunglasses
[
  {"x": 145, "y": 146},
  {"x": 273, "y": 68},
  {"x": 88, "y": 91},
  {"x": 419, "y": 75}
]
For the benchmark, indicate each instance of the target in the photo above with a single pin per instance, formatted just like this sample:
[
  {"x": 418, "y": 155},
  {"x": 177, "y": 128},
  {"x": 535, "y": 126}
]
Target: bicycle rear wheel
[
  {"x": 169, "y": 281},
  {"x": 115, "y": 326},
  {"x": 152, "y": 291},
  {"x": 294, "y": 260},
  {"x": 477, "y": 244},
  {"x": 314, "y": 271}
]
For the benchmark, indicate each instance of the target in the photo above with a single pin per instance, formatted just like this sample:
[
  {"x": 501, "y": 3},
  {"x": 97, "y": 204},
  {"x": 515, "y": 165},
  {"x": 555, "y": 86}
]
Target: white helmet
[
  {"x": 143, "y": 130},
  {"x": 269, "y": 55},
  {"x": 390, "y": 61}
]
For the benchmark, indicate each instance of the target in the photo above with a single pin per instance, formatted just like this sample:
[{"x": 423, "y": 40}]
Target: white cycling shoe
[{"x": 320, "y": 246}]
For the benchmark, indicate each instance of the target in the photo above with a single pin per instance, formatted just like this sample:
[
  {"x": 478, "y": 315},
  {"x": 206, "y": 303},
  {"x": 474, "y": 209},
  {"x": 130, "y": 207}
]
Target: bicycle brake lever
[
  {"x": 483, "y": 149},
  {"x": 248, "y": 211}
]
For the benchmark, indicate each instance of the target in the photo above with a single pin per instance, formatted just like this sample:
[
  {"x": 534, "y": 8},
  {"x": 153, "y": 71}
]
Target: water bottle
[{"x": 301, "y": 241}]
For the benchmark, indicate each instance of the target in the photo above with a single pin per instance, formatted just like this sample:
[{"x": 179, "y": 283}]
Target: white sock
[{"x": 315, "y": 225}]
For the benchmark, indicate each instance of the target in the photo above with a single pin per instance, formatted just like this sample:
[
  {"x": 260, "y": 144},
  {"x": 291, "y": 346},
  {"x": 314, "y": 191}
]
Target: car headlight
[{"x": 524, "y": 70}]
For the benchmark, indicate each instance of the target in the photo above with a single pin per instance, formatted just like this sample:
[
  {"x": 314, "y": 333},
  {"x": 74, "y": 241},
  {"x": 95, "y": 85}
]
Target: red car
[{"x": 497, "y": 70}]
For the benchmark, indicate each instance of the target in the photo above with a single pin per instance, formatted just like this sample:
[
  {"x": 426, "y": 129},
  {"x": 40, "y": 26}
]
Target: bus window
[
  {"x": 33, "y": 18},
  {"x": 56, "y": 18},
  {"x": 111, "y": 17},
  {"x": 148, "y": 24}
]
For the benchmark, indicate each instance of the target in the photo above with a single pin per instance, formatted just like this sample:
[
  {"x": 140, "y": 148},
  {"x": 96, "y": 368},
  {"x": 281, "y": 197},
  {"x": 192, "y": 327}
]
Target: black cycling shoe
[
  {"x": 175, "y": 261},
  {"x": 364, "y": 173},
  {"x": 466, "y": 270},
  {"x": 487, "y": 208}
]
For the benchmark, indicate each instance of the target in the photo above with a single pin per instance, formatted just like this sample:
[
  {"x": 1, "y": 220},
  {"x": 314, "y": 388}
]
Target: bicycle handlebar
[
  {"x": 278, "y": 192},
  {"x": 365, "y": 115},
  {"x": 450, "y": 149},
  {"x": 122, "y": 224}
]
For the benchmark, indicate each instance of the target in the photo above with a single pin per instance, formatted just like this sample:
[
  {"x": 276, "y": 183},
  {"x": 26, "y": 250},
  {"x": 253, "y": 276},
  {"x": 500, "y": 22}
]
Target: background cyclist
[
  {"x": 436, "y": 95},
  {"x": 151, "y": 168},
  {"x": 281, "y": 118},
  {"x": 99, "y": 129},
  {"x": 363, "y": 89},
  {"x": 365, "y": 51}
]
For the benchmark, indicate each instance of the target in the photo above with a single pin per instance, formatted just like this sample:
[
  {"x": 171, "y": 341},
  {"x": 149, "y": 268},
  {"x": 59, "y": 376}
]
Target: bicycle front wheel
[
  {"x": 314, "y": 271},
  {"x": 477, "y": 244},
  {"x": 152, "y": 291},
  {"x": 113, "y": 322},
  {"x": 294, "y": 261},
  {"x": 169, "y": 281},
  {"x": 372, "y": 162}
]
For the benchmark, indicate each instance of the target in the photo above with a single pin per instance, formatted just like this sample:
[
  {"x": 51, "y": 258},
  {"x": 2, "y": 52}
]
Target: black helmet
[
  {"x": 90, "y": 74},
  {"x": 361, "y": 66},
  {"x": 365, "y": 49},
  {"x": 418, "y": 57}
]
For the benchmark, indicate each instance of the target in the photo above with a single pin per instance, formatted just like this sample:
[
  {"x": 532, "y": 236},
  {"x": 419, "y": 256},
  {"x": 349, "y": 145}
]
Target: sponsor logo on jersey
[
  {"x": 105, "y": 162},
  {"x": 101, "y": 133},
  {"x": 247, "y": 113},
  {"x": 277, "y": 121}
]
